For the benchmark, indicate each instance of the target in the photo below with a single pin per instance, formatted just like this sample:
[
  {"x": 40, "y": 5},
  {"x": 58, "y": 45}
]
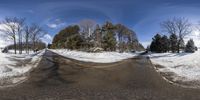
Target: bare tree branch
[
  {"x": 179, "y": 26},
  {"x": 87, "y": 26},
  {"x": 13, "y": 26}
]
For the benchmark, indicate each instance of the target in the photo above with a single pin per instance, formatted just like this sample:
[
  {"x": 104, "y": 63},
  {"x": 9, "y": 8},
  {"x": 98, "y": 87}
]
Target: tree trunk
[
  {"x": 178, "y": 46},
  {"x": 33, "y": 45},
  {"x": 15, "y": 46},
  {"x": 27, "y": 45},
  {"x": 19, "y": 43}
]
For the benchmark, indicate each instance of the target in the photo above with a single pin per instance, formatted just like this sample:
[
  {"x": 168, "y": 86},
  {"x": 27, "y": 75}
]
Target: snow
[
  {"x": 185, "y": 66},
  {"x": 11, "y": 69},
  {"x": 23, "y": 52},
  {"x": 102, "y": 57}
]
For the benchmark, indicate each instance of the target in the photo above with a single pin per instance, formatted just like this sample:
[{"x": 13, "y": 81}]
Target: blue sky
[{"x": 143, "y": 16}]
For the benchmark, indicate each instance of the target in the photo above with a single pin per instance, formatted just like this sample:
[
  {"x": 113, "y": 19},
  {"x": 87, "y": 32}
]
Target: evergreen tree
[
  {"x": 74, "y": 42},
  {"x": 109, "y": 40},
  {"x": 181, "y": 43},
  {"x": 153, "y": 46},
  {"x": 109, "y": 37},
  {"x": 55, "y": 41},
  {"x": 165, "y": 43},
  {"x": 190, "y": 47},
  {"x": 173, "y": 43},
  {"x": 156, "y": 45},
  {"x": 68, "y": 38}
]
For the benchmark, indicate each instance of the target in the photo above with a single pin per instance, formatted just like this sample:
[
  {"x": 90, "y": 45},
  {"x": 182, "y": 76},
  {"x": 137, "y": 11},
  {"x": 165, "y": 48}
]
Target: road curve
[{"x": 60, "y": 78}]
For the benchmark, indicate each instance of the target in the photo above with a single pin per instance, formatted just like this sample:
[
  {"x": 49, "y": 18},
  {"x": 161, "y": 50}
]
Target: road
[{"x": 60, "y": 78}]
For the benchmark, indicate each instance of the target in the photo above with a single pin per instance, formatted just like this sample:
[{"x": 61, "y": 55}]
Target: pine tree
[
  {"x": 74, "y": 42},
  {"x": 68, "y": 38},
  {"x": 173, "y": 43},
  {"x": 156, "y": 44},
  {"x": 181, "y": 43},
  {"x": 153, "y": 46},
  {"x": 109, "y": 40},
  {"x": 165, "y": 43},
  {"x": 190, "y": 47},
  {"x": 108, "y": 36}
]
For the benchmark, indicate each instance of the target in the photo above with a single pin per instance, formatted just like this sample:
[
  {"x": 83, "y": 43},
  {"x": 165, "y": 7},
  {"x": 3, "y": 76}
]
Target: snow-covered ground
[
  {"x": 23, "y": 52},
  {"x": 184, "y": 66},
  {"x": 14, "y": 66},
  {"x": 102, "y": 57}
]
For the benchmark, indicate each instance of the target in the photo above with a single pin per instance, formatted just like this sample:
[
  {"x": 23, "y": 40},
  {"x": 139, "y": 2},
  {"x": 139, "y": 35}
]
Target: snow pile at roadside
[
  {"x": 10, "y": 67},
  {"x": 185, "y": 66},
  {"x": 102, "y": 57},
  {"x": 23, "y": 52}
]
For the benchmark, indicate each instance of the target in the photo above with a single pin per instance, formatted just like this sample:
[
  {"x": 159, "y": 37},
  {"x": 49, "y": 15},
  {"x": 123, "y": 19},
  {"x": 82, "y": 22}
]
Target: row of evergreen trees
[
  {"x": 109, "y": 37},
  {"x": 161, "y": 44}
]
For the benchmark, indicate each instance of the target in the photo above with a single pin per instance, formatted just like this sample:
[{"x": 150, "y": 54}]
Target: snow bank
[
  {"x": 23, "y": 52},
  {"x": 185, "y": 66},
  {"x": 14, "y": 66},
  {"x": 103, "y": 57}
]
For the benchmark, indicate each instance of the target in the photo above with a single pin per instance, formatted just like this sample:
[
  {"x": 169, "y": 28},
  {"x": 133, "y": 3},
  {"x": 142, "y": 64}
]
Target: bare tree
[
  {"x": 97, "y": 36},
  {"x": 12, "y": 26},
  {"x": 126, "y": 37},
  {"x": 20, "y": 29},
  {"x": 87, "y": 26},
  {"x": 179, "y": 26},
  {"x": 27, "y": 36},
  {"x": 121, "y": 30},
  {"x": 36, "y": 33}
]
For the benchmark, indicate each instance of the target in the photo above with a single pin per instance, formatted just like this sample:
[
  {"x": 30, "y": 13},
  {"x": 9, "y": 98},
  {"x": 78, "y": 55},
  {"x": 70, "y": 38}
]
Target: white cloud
[
  {"x": 196, "y": 39},
  {"x": 52, "y": 25},
  {"x": 47, "y": 39},
  {"x": 57, "y": 23},
  {"x": 4, "y": 41}
]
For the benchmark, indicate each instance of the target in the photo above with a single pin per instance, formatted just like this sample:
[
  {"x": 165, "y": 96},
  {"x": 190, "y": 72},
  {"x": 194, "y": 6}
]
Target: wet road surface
[{"x": 60, "y": 78}]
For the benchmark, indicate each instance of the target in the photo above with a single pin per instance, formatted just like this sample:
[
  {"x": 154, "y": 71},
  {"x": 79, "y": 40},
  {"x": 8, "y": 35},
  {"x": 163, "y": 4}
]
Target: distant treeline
[
  {"x": 39, "y": 44},
  {"x": 88, "y": 35}
]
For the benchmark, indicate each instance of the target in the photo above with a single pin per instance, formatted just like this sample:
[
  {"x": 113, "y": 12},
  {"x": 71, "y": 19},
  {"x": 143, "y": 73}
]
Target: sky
[{"x": 142, "y": 16}]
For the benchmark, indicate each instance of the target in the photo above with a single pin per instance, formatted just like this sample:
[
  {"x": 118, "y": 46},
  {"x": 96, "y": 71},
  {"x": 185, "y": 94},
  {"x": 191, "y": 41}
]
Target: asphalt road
[{"x": 60, "y": 78}]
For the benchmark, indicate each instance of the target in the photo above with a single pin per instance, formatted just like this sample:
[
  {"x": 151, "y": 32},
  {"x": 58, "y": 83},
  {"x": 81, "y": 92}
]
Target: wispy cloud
[
  {"x": 30, "y": 11},
  {"x": 57, "y": 23},
  {"x": 52, "y": 25}
]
